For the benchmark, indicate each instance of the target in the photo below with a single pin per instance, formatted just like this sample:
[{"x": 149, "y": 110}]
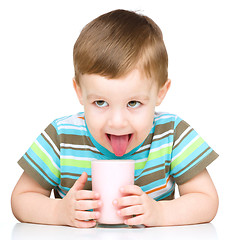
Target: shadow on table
[{"x": 25, "y": 231}]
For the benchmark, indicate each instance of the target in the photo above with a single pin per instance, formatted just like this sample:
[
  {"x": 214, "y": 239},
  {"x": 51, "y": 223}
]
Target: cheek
[
  {"x": 94, "y": 120},
  {"x": 144, "y": 122}
]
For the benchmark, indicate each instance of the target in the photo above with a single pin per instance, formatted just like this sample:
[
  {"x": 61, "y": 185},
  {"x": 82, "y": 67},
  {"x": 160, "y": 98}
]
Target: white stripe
[
  {"x": 140, "y": 160},
  {"x": 73, "y": 119},
  {"x": 182, "y": 135},
  {"x": 72, "y": 127},
  {"x": 52, "y": 143},
  {"x": 48, "y": 155},
  {"x": 160, "y": 147},
  {"x": 60, "y": 120},
  {"x": 161, "y": 191},
  {"x": 156, "y": 137},
  {"x": 144, "y": 147},
  {"x": 78, "y": 146},
  {"x": 186, "y": 147},
  {"x": 163, "y": 134},
  {"x": 77, "y": 158},
  {"x": 164, "y": 117}
]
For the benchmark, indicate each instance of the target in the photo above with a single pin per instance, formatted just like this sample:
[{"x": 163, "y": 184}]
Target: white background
[{"x": 36, "y": 71}]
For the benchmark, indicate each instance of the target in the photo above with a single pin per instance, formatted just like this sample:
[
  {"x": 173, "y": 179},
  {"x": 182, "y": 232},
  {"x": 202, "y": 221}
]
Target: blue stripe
[
  {"x": 177, "y": 121},
  {"x": 167, "y": 194},
  {"x": 155, "y": 184},
  {"x": 190, "y": 158},
  {"x": 75, "y": 170},
  {"x": 42, "y": 164},
  {"x": 193, "y": 164},
  {"x": 71, "y": 125},
  {"x": 58, "y": 120},
  {"x": 73, "y": 132},
  {"x": 160, "y": 142},
  {"x": 78, "y": 153},
  {"x": 163, "y": 121},
  {"x": 49, "y": 149},
  {"x": 40, "y": 173},
  {"x": 60, "y": 189},
  {"x": 184, "y": 143}
]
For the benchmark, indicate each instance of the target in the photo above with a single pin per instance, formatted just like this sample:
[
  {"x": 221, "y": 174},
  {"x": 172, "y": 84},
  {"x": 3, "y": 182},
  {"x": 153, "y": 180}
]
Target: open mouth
[
  {"x": 119, "y": 143},
  {"x": 109, "y": 136}
]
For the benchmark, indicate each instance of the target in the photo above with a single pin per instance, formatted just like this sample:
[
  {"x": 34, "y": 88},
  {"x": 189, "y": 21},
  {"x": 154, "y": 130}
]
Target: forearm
[
  {"x": 36, "y": 208},
  {"x": 191, "y": 208},
  {"x": 32, "y": 203}
]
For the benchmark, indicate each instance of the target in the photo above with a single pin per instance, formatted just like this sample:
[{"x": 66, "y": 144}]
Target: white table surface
[{"x": 25, "y": 231}]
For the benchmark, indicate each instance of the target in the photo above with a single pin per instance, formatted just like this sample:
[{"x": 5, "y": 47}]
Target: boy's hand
[
  {"x": 74, "y": 206},
  {"x": 138, "y": 208}
]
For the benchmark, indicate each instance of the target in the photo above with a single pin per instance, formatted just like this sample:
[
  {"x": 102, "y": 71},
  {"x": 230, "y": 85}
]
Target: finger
[
  {"x": 86, "y": 215},
  {"x": 84, "y": 224},
  {"x": 86, "y": 194},
  {"x": 80, "y": 182},
  {"x": 131, "y": 189},
  {"x": 87, "y": 204},
  {"x": 137, "y": 220},
  {"x": 127, "y": 201},
  {"x": 130, "y": 211}
]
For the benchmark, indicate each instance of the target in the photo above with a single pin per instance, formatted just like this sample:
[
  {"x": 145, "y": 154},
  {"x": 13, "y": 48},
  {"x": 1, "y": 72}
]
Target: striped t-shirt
[{"x": 172, "y": 153}]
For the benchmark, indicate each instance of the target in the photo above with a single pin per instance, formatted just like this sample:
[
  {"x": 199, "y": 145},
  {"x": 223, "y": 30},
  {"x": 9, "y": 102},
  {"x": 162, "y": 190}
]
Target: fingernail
[
  {"x": 115, "y": 202},
  {"x": 99, "y": 203},
  {"x": 97, "y": 215},
  {"x": 119, "y": 212},
  {"x": 121, "y": 189},
  {"x": 96, "y": 195}
]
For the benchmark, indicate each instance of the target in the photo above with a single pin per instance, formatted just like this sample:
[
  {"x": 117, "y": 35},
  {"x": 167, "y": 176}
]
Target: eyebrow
[
  {"x": 142, "y": 97},
  {"x": 93, "y": 96},
  {"x": 145, "y": 97}
]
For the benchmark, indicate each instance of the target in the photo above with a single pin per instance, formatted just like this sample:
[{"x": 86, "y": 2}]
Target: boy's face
[{"x": 119, "y": 112}]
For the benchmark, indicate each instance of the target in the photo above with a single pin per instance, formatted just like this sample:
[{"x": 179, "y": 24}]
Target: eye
[
  {"x": 134, "y": 104},
  {"x": 101, "y": 103}
]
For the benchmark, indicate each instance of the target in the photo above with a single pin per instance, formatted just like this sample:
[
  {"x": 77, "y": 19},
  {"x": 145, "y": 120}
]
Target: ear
[
  {"x": 77, "y": 89},
  {"x": 162, "y": 92}
]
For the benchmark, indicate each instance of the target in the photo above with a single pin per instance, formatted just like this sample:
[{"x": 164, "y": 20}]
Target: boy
[{"x": 120, "y": 63}]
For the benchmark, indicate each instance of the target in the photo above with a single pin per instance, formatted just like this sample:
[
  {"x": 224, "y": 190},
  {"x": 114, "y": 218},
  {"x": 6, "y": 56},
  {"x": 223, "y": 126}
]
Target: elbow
[
  {"x": 213, "y": 207},
  {"x": 15, "y": 208},
  {"x": 216, "y": 205}
]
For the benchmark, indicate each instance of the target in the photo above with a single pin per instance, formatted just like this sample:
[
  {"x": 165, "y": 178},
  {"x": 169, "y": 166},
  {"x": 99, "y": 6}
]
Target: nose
[{"x": 117, "y": 119}]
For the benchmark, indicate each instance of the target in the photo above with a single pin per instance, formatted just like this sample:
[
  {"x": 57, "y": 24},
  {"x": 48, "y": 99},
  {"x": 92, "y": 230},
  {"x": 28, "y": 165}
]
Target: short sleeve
[
  {"x": 190, "y": 153},
  {"x": 42, "y": 159}
]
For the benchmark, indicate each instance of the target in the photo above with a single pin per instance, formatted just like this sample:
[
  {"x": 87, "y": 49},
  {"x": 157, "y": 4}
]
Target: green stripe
[
  {"x": 157, "y": 154},
  {"x": 45, "y": 159},
  {"x": 187, "y": 152},
  {"x": 140, "y": 165},
  {"x": 75, "y": 163},
  {"x": 160, "y": 153}
]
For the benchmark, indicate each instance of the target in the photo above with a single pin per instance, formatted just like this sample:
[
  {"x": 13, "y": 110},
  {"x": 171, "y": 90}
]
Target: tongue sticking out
[{"x": 119, "y": 144}]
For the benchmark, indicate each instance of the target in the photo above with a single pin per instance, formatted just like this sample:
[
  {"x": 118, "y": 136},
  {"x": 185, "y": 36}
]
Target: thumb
[{"x": 80, "y": 182}]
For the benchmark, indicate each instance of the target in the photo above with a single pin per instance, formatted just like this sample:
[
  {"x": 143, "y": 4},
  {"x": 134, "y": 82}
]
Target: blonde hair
[{"x": 116, "y": 42}]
